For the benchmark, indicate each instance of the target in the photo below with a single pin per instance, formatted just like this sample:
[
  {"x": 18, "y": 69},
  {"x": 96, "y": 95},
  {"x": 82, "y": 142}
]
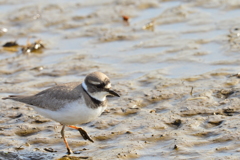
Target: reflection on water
[{"x": 179, "y": 34}]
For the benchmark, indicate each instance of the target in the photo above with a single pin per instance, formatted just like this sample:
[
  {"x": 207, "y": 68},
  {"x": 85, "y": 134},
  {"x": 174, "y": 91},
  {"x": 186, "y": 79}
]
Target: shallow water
[{"x": 192, "y": 44}]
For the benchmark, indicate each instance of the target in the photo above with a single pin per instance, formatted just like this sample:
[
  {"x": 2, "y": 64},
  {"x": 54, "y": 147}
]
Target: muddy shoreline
[{"x": 171, "y": 61}]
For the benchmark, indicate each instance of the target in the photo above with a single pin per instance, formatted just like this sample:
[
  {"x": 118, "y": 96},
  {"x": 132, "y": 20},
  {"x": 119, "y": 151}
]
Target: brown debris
[
  {"x": 35, "y": 47},
  {"x": 149, "y": 26},
  {"x": 10, "y": 44},
  {"x": 126, "y": 19}
]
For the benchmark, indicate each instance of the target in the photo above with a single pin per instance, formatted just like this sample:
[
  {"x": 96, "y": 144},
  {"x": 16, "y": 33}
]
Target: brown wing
[{"x": 52, "y": 98}]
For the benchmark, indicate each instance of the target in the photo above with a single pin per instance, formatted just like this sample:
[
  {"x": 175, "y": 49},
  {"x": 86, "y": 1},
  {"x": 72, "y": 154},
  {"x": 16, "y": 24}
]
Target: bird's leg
[
  {"x": 83, "y": 133},
  {"x": 69, "y": 151}
]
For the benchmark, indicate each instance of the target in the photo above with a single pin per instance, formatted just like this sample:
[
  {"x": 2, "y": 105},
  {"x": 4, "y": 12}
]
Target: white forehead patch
[
  {"x": 108, "y": 85},
  {"x": 94, "y": 82}
]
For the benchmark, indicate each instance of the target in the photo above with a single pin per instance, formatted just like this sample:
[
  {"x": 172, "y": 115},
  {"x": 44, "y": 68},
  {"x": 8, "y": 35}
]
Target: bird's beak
[{"x": 113, "y": 93}]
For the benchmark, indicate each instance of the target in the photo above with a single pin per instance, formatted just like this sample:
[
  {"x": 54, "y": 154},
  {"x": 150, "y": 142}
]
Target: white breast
[{"x": 75, "y": 112}]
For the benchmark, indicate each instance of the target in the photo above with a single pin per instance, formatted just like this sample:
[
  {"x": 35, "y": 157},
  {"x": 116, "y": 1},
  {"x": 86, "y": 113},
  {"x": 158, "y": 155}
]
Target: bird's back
[{"x": 52, "y": 98}]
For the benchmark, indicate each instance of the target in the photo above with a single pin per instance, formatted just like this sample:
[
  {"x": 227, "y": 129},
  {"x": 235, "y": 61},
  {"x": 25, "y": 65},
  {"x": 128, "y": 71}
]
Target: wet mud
[{"x": 174, "y": 63}]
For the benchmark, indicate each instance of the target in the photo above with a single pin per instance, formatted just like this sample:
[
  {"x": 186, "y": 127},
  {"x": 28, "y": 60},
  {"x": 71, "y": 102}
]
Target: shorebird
[{"x": 72, "y": 103}]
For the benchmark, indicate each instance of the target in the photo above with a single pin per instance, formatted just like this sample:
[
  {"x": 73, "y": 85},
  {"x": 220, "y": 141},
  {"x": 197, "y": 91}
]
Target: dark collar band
[{"x": 96, "y": 102}]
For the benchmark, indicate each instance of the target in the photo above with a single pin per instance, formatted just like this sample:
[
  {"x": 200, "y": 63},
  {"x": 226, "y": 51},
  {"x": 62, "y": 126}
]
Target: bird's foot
[
  {"x": 82, "y": 132},
  {"x": 85, "y": 135},
  {"x": 69, "y": 151}
]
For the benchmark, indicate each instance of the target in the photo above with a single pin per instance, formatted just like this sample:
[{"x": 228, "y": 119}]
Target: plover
[{"x": 72, "y": 103}]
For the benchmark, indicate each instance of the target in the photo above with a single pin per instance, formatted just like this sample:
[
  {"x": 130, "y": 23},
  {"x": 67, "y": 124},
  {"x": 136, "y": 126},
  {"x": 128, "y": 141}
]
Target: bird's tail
[{"x": 11, "y": 97}]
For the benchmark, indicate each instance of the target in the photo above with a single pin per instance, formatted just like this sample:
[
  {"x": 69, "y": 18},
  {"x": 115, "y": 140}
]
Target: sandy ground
[{"x": 171, "y": 62}]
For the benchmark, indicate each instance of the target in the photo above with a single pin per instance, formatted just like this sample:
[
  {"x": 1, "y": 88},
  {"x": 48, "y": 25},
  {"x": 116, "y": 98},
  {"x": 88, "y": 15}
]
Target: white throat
[{"x": 101, "y": 96}]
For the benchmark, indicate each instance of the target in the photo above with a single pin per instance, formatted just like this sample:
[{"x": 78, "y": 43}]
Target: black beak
[{"x": 113, "y": 93}]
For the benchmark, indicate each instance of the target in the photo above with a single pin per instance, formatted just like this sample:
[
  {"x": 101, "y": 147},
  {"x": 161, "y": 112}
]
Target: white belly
[{"x": 72, "y": 113}]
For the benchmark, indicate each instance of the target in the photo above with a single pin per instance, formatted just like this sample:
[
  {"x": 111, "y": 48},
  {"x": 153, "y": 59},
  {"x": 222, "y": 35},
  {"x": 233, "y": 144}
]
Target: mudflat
[{"x": 171, "y": 61}]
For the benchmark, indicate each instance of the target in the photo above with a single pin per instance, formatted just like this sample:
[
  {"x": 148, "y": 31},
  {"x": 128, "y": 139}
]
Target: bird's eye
[{"x": 100, "y": 86}]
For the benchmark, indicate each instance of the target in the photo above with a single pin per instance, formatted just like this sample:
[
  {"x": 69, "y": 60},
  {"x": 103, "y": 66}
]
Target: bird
[{"x": 72, "y": 103}]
